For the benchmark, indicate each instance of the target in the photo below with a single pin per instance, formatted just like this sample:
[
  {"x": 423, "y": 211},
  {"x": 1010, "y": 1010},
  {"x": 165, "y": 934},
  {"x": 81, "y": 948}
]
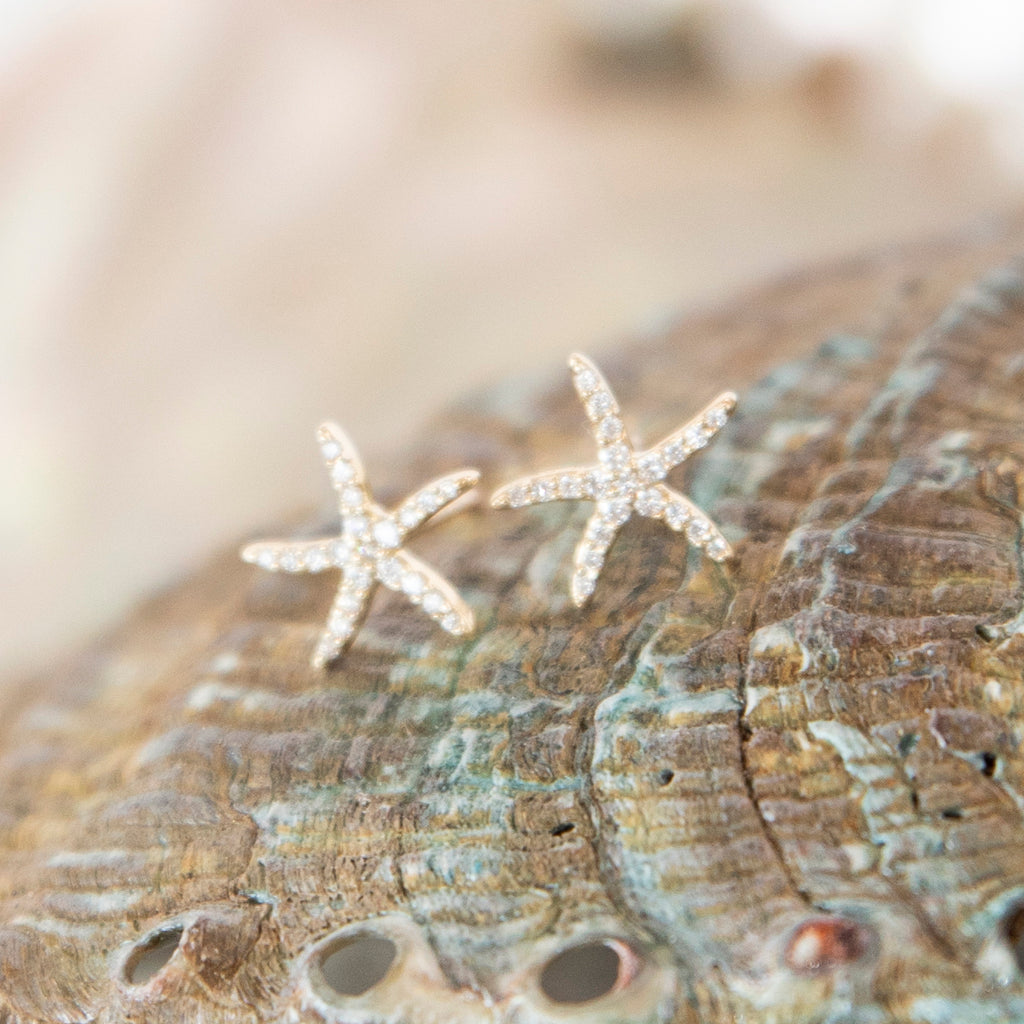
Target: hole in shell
[
  {"x": 151, "y": 956},
  {"x": 665, "y": 776},
  {"x": 1013, "y": 933},
  {"x": 823, "y": 944},
  {"x": 356, "y": 963},
  {"x": 560, "y": 830},
  {"x": 588, "y": 972},
  {"x": 989, "y": 761},
  {"x": 952, "y": 813}
]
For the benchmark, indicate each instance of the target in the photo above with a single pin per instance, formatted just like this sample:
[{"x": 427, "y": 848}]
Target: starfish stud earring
[
  {"x": 623, "y": 481},
  {"x": 369, "y": 549}
]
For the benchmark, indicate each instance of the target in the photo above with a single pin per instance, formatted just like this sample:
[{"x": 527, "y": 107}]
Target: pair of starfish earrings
[{"x": 370, "y": 549}]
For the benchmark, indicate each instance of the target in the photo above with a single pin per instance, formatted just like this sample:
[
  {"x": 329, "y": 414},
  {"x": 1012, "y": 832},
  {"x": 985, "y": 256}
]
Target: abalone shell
[{"x": 786, "y": 788}]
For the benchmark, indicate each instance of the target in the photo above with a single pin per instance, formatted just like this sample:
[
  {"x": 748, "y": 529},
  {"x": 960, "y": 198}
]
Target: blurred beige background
[{"x": 223, "y": 220}]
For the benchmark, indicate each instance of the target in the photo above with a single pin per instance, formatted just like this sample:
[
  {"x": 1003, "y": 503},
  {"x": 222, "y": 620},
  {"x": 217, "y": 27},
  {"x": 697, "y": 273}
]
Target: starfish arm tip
[{"x": 582, "y": 589}]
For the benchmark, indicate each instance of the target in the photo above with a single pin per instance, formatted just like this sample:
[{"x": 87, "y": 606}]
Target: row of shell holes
[
  {"x": 354, "y": 965},
  {"x": 580, "y": 974}
]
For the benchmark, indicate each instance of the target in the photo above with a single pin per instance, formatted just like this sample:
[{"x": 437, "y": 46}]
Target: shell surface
[{"x": 787, "y": 788}]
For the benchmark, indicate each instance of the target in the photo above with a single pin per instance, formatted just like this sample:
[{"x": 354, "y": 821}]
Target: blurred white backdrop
[{"x": 221, "y": 221}]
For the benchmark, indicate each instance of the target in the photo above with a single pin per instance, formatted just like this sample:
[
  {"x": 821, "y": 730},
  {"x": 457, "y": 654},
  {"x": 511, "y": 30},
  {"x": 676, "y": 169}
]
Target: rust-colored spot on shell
[{"x": 826, "y": 943}]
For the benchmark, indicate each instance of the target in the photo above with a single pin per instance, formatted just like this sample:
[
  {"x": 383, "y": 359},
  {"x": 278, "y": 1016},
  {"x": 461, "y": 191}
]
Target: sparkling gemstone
[
  {"x": 412, "y": 584},
  {"x": 316, "y": 560},
  {"x": 434, "y": 603},
  {"x": 390, "y": 572},
  {"x": 570, "y": 486},
  {"x": 349, "y": 601},
  {"x": 341, "y": 550},
  {"x": 609, "y": 429},
  {"x": 651, "y": 467},
  {"x": 650, "y": 502},
  {"x": 519, "y": 496},
  {"x": 429, "y": 502},
  {"x": 355, "y": 525},
  {"x": 452, "y": 623},
  {"x": 717, "y": 548},
  {"x": 267, "y": 559},
  {"x": 716, "y": 419},
  {"x": 352, "y": 497},
  {"x": 599, "y": 404},
  {"x": 339, "y": 623},
  {"x": 448, "y": 491},
  {"x": 331, "y": 449},
  {"x": 586, "y": 381},
  {"x": 614, "y": 512},
  {"x": 341, "y": 472},
  {"x": 408, "y": 516},
  {"x": 676, "y": 452},
  {"x": 698, "y": 531},
  {"x": 386, "y": 534},
  {"x": 359, "y": 575},
  {"x": 584, "y": 582},
  {"x": 614, "y": 455},
  {"x": 676, "y": 515},
  {"x": 543, "y": 490},
  {"x": 291, "y": 562},
  {"x": 694, "y": 438}
]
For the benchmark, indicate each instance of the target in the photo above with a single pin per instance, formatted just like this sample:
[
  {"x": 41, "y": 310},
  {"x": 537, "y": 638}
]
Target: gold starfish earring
[
  {"x": 369, "y": 549},
  {"x": 623, "y": 481}
]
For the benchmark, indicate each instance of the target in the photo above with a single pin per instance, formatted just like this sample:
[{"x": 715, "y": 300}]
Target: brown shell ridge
[
  {"x": 792, "y": 784},
  {"x": 961, "y": 330}
]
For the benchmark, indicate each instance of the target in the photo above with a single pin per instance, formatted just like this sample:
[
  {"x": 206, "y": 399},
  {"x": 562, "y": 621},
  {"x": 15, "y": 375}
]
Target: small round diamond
[
  {"x": 519, "y": 496},
  {"x": 267, "y": 560},
  {"x": 408, "y": 517},
  {"x": 717, "y": 549},
  {"x": 676, "y": 452},
  {"x": 452, "y": 623},
  {"x": 352, "y": 497},
  {"x": 390, "y": 572},
  {"x": 291, "y": 562},
  {"x": 694, "y": 438},
  {"x": 716, "y": 419},
  {"x": 386, "y": 534},
  {"x": 650, "y": 502},
  {"x": 412, "y": 584},
  {"x": 316, "y": 560},
  {"x": 570, "y": 486},
  {"x": 651, "y": 467},
  {"x": 448, "y": 491},
  {"x": 698, "y": 531},
  {"x": 359, "y": 574},
  {"x": 355, "y": 526},
  {"x": 331, "y": 449},
  {"x": 614, "y": 455},
  {"x": 586, "y": 381},
  {"x": 349, "y": 601},
  {"x": 340, "y": 622},
  {"x": 543, "y": 490},
  {"x": 429, "y": 502},
  {"x": 616, "y": 511},
  {"x": 341, "y": 473},
  {"x": 341, "y": 549},
  {"x": 599, "y": 404},
  {"x": 609, "y": 429},
  {"x": 434, "y": 603},
  {"x": 676, "y": 515}
]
